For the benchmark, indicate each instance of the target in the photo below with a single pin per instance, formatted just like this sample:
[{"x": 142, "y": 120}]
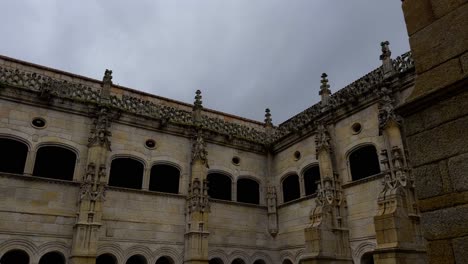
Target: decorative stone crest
[
  {"x": 324, "y": 90},
  {"x": 100, "y": 134},
  {"x": 198, "y": 197},
  {"x": 199, "y": 151},
  {"x": 387, "y": 113},
  {"x": 268, "y": 120}
]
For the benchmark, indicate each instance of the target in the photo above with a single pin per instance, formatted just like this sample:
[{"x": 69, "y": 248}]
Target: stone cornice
[{"x": 86, "y": 90}]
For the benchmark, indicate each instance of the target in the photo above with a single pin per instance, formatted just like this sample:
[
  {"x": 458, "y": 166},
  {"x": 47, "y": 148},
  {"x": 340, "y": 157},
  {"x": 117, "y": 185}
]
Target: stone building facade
[{"x": 93, "y": 172}]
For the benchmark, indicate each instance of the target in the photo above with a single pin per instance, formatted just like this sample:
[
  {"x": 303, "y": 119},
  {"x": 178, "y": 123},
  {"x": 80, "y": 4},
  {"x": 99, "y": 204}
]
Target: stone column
[
  {"x": 397, "y": 228},
  {"x": 198, "y": 207},
  {"x": 327, "y": 237},
  {"x": 93, "y": 185},
  {"x": 271, "y": 195}
]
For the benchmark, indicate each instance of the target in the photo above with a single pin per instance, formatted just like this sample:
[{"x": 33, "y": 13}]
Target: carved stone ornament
[
  {"x": 100, "y": 134},
  {"x": 322, "y": 138},
  {"x": 198, "y": 200},
  {"x": 199, "y": 151},
  {"x": 107, "y": 79},
  {"x": 386, "y": 109},
  {"x": 48, "y": 88}
]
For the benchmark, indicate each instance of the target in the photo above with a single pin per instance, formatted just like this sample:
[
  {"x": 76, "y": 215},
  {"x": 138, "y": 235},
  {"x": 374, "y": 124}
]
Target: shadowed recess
[
  {"x": 15, "y": 256},
  {"x": 219, "y": 186},
  {"x": 52, "y": 258},
  {"x": 164, "y": 178},
  {"x": 106, "y": 259},
  {"x": 127, "y": 173},
  {"x": 311, "y": 178},
  {"x": 291, "y": 189},
  {"x": 364, "y": 162},
  {"x": 55, "y": 162},
  {"x": 13, "y": 156},
  {"x": 248, "y": 191}
]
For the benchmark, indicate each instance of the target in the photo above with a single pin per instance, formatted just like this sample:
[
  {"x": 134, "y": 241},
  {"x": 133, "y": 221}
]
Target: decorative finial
[
  {"x": 268, "y": 121},
  {"x": 386, "y": 53},
  {"x": 107, "y": 79},
  {"x": 324, "y": 89},
  {"x": 198, "y": 102}
]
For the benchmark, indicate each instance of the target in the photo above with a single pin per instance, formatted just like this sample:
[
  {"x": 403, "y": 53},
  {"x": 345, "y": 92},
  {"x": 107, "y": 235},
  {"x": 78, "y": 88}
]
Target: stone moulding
[{"x": 49, "y": 87}]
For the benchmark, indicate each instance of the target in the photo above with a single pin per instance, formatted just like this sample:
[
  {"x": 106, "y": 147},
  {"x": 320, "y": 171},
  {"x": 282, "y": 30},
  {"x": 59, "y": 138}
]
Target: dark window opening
[
  {"x": 367, "y": 258},
  {"x": 164, "y": 178},
  {"x": 291, "y": 189},
  {"x": 55, "y": 162},
  {"x": 311, "y": 177},
  {"x": 15, "y": 256},
  {"x": 164, "y": 260},
  {"x": 248, "y": 191},
  {"x": 106, "y": 259},
  {"x": 259, "y": 261},
  {"x": 219, "y": 186},
  {"x": 13, "y": 156},
  {"x": 238, "y": 261},
  {"x": 52, "y": 258},
  {"x": 287, "y": 261},
  {"x": 364, "y": 162},
  {"x": 216, "y": 261},
  {"x": 127, "y": 173},
  {"x": 136, "y": 259}
]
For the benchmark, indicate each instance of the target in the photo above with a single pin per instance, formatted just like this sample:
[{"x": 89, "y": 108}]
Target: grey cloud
[{"x": 244, "y": 55}]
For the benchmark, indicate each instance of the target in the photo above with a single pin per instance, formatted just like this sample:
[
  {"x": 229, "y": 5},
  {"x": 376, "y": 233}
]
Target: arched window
[
  {"x": 311, "y": 177},
  {"x": 287, "y": 261},
  {"x": 364, "y": 162},
  {"x": 106, "y": 259},
  {"x": 219, "y": 186},
  {"x": 291, "y": 189},
  {"x": 127, "y": 173},
  {"x": 13, "y": 156},
  {"x": 259, "y": 261},
  {"x": 55, "y": 162},
  {"x": 136, "y": 259},
  {"x": 164, "y": 178},
  {"x": 248, "y": 191},
  {"x": 52, "y": 258},
  {"x": 164, "y": 260},
  {"x": 15, "y": 256},
  {"x": 215, "y": 261},
  {"x": 238, "y": 261},
  {"x": 367, "y": 258}
]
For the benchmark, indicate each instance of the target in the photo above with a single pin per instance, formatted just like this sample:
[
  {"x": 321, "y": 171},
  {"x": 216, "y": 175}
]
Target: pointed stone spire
[
  {"x": 268, "y": 120},
  {"x": 197, "y": 107},
  {"x": 386, "y": 58},
  {"x": 324, "y": 90},
  {"x": 106, "y": 85}
]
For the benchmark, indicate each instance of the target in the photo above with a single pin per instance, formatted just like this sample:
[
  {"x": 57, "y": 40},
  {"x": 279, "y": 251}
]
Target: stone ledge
[
  {"x": 443, "y": 201},
  {"x": 361, "y": 181},
  {"x": 312, "y": 196},
  {"x": 37, "y": 178},
  {"x": 140, "y": 191},
  {"x": 238, "y": 203}
]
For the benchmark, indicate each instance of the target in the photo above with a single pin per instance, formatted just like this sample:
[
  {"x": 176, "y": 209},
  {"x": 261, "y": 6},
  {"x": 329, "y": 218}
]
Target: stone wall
[{"x": 436, "y": 121}]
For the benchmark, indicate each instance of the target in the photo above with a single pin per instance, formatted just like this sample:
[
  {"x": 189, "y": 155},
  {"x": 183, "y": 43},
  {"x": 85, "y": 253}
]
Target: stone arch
[
  {"x": 164, "y": 177},
  {"x": 310, "y": 186},
  {"x": 248, "y": 183},
  {"x": 21, "y": 138},
  {"x": 261, "y": 256},
  {"x": 15, "y": 151},
  {"x": 54, "y": 246},
  {"x": 355, "y": 149},
  {"x": 168, "y": 161},
  {"x": 224, "y": 184},
  {"x": 65, "y": 162},
  {"x": 45, "y": 258},
  {"x": 139, "y": 250},
  {"x": 138, "y": 157},
  {"x": 299, "y": 255},
  {"x": 237, "y": 254},
  {"x": 22, "y": 244},
  {"x": 362, "y": 249},
  {"x": 287, "y": 255},
  {"x": 122, "y": 165},
  {"x": 175, "y": 255},
  {"x": 290, "y": 187},
  {"x": 218, "y": 253},
  {"x": 113, "y": 249}
]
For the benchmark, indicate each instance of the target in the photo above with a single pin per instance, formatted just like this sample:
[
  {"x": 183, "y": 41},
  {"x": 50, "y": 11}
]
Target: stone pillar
[
  {"x": 435, "y": 123},
  {"x": 397, "y": 223},
  {"x": 198, "y": 207},
  {"x": 93, "y": 185},
  {"x": 327, "y": 237}
]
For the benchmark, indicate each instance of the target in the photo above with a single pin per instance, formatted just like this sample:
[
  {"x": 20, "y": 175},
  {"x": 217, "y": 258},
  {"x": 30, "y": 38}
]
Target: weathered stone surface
[
  {"x": 442, "y": 7},
  {"x": 440, "y": 251},
  {"x": 460, "y": 249},
  {"x": 442, "y": 40},
  {"x": 418, "y": 14},
  {"x": 458, "y": 171},
  {"x": 445, "y": 223},
  {"x": 439, "y": 143},
  {"x": 464, "y": 62},
  {"x": 441, "y": 76},
  {"x": 428, "y": 176}
]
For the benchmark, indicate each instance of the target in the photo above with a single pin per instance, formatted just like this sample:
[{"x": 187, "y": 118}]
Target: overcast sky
[{"x": 245, "y": 55}]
